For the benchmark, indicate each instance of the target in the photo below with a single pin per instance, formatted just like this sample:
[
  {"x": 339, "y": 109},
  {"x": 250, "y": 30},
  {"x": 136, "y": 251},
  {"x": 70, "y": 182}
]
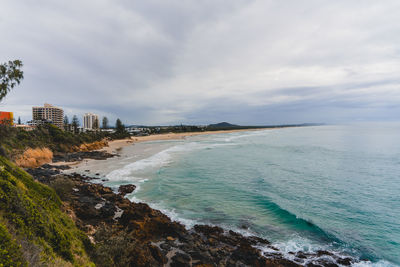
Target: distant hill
[{"x": 222, "y": 125}]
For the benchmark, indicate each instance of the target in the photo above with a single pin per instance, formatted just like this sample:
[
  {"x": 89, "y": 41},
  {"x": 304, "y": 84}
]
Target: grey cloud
[{"x": 166, "y": 62}]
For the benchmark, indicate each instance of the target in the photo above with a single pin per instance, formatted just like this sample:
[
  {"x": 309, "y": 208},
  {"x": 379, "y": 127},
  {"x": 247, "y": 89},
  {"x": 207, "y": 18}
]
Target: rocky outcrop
[
  {"x": 90, "y": 146},
  {"x": 126, "y": 189},
  {"x": 133, "y": 234},
  {"x": 34, "y": 157},
  {"x": 79, "y": 156}
]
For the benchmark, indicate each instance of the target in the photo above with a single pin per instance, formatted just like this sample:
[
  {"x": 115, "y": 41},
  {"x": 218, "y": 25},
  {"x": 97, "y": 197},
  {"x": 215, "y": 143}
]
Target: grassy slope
[{"x": 32, "y": 226}]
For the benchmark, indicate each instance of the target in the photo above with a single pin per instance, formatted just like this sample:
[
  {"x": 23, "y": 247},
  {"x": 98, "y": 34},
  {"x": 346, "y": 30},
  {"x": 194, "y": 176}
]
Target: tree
[
  {"x": 67, "y": 126},
  {"x": 96, "y": 124},
  {"x": 105, "y": 123},
  {"x": 66, "y": 120},
  {"x": 75, "y": 123},
  {"x": 19, "y": 120},
  {"x": 10, "y": 75},
  {"x": 119, "y": 127}
]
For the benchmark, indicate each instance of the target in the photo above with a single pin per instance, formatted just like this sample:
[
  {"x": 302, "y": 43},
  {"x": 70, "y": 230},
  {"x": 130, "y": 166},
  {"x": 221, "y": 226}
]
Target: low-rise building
[
  {"x": 24, "y": 127},
  {"x": 139, "y": 131},
  {"x": 6, "y": 118},
  {"x": 36, "y": 123}
]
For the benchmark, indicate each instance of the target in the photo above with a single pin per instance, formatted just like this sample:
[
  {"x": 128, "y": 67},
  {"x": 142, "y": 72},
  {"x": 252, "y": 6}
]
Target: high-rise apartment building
[
  {"x": 50, "y": 113},
  {"x": 90, "y": 121}
]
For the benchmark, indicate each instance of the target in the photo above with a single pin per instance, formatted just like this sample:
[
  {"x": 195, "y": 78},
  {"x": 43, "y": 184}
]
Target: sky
[{"x": 165, "y": 62}]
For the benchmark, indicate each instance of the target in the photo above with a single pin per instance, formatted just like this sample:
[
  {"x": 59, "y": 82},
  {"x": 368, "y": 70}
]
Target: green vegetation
[
  {"x": 66, "y": 120},
  {"x": 96, "y": 126},
  {"x": 10, "y": 251},
  {"x": 120, "y": 131},
  {"x": 75, "y": 124},
  {"x": 10, "y": 75},
  {"x": 31, "y": 222},
  {"x": 15, "y": 140},
  {"x": 105, "y": 123},
  {"x": 223, "y": 126}
]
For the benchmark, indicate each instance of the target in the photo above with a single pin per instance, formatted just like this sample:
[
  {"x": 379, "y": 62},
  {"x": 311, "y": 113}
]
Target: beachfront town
[{"x": 49, "y": 114}]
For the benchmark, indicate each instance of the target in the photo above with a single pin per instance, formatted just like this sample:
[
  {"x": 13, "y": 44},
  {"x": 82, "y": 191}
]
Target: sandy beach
[
  {"x": 115, "y": 145},
  {"x": 122, "y": 147}
]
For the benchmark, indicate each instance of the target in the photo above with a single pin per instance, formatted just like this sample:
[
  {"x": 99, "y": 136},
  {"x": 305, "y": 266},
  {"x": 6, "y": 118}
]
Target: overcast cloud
[{"x": 167, "y": 62}]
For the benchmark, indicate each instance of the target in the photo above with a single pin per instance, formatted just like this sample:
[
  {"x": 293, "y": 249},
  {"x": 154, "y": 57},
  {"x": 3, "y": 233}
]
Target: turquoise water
[{"x": 308, "y": 188}]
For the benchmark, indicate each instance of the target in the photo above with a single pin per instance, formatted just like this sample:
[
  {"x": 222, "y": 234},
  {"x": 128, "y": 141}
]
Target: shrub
[
  {"x": 63, "y": 187},
  {"x": 3, "y": 152},
  {"x": 33, "y": 209},
  {"x": 16, "y": 139},
  {"x": 10, "y": 251}
]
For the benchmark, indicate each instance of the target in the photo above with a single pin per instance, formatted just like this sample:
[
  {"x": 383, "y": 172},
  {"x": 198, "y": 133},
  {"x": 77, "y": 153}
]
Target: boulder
[{"x": 126, "y": 189}]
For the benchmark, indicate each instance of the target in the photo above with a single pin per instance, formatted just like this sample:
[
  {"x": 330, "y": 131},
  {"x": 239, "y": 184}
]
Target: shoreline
[
  {"x": 115, "y": 145},
  {"x": 149, "y": 237},
  {"x": 114, "y": 148}
]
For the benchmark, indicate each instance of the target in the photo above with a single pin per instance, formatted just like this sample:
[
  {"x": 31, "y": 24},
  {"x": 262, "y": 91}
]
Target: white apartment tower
[
  {"x": 89, "y": 121},
  {"x": 49, "y": 112}
]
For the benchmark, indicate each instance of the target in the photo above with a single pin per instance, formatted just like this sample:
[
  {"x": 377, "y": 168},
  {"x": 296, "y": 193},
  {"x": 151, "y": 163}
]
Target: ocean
[{"x": 334, "y": 187}]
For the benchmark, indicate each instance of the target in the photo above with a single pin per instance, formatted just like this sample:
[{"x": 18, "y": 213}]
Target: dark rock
[
  {"x": 201, "y": 256},
  {"x": 246, "y": 254},
  {"x": 344, "y": 261},
  {"x": 327, "y": 263},
  {"x": 43, "y": 175},
  {"x": 258, "y": 240},
  {"x": 207, "y": 230},
  {"x": 126, "y": 189},
  {"x": 301, "y": 255},
  {"x": 180, "y": 260},
  {"x": 56, "y": 167},
  {"x": 141, "y": 226},
  {"x": 157, "y": 255},
  {"x": 323, "y": 253},
  {"x": 108, "y": 210},
  {"x": 79, "y": 156},
  {"x": 165, "y": 246}
]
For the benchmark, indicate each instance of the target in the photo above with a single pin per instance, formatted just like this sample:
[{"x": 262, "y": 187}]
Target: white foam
[
  {"x": 156, "y": 161},
  {"x": 381, "y": 263},
  {"x": 188, "y": 223},
  {"x": 294, "y": 245},
  {"x": 297, "y": 244},
  {"x": 235, "y": 136},
  {"x": 287, "y": 249}
]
